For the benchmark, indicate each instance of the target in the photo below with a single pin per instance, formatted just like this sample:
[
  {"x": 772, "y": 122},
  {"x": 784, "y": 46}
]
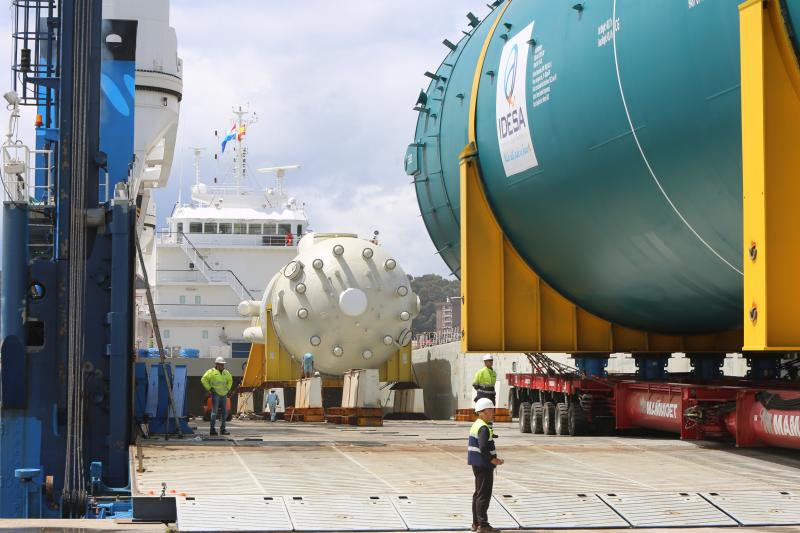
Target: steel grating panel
[
  {"x": 232, "y": 513},
  {"x": 446, "y": 512},
  {"x": 758, "y": 508},
  {"x": 343, "y": 513},
  {"x": 560, "y": 511},
  {"x": 666, "y": 509}
]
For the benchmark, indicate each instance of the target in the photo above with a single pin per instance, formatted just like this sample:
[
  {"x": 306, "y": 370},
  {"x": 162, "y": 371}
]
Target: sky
[{"x": 333, "y": 84}]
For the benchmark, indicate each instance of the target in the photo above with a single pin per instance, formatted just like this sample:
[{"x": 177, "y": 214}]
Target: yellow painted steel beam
[
  {"x": 771, "y": 179},
  {"x": 507, "y": 307},
  {"x": 398, "y": 367},
  {"x": 269, "y": 362}
]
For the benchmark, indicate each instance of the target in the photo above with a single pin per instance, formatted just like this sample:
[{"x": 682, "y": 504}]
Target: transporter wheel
[
  {"x": 549, "y": 418},
  {"x": 537, "y": 418},
  {"x": 513, "y": 401},
  {"x": 525, "y": 417},
  {"x": 562, "y": 419},
  {"x": 577, "y": 420}
]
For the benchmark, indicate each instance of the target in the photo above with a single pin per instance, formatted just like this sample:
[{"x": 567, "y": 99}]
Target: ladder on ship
[{"x": 210, "y": 273}]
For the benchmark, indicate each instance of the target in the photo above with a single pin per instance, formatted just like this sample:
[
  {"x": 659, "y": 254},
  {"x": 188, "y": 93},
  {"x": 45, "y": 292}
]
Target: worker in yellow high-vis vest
[
  {"x": 218, "y": 383},
  {"x": 485, "y": 379}
]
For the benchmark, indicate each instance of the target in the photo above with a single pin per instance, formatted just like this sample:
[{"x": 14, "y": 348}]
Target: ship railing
[
  {"x": 435, "y": 338},
  {"x": 187, "y": 310},
  {"x": 212, "y": 274},
  {"x": 20, "y": 167},
  {"x": 225, "y": 239}
]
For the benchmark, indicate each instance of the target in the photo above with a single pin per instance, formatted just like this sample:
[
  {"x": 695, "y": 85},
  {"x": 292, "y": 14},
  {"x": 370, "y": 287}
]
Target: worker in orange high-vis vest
[{"x": 482, "y": 456}]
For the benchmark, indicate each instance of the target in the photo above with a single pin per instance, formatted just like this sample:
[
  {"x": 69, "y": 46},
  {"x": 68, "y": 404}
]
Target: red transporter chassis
[{"x": 730, "y": 409}]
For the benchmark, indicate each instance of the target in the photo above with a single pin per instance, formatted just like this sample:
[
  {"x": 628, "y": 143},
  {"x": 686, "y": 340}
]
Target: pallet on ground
[
  {"x": 304, "y": 414},
  {"x": 353, "y": 420},
  {"x": 469, "y": 415},
  {"x": 355, "y": 411}
]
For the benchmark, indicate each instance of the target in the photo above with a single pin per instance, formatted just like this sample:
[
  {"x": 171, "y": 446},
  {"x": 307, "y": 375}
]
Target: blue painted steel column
[
  {"x": 707, "y": 366},
  {"x": 651, "y": 366},
  {"x": 120, "y": 339},
  {"x": 593, "y": 366},
  {"x": 15, "y": 269},
  {"x": 15, "y": 450}
]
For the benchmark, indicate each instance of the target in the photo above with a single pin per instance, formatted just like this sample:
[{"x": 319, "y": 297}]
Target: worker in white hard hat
[
  {"x": 218, "y": 383},
  {"x": 485, "y": 379},
  {"x": 482, "y": 456}
]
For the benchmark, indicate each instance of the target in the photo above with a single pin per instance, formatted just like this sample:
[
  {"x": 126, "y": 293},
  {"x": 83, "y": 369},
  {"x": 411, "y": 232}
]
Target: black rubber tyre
[
  {"x": 537, "y": 418},
  {"x": 577, "y": 420},
  {"x": 525, "y": 417},
  {"x": 513, "y": 401},
  {"x": 549, "y": 418},
  {"x": 562, "y": 419}
]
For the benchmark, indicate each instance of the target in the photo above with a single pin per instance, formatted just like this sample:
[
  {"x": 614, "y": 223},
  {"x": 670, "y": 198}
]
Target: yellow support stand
[
  {"x": 771, "y": 179},
  {"x": 508, "y": 308},
  {"x": 270, "y": 364}
]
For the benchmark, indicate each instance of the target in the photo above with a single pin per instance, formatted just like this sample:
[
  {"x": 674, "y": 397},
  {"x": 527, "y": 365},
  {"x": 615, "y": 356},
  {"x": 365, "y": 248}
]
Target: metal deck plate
[
  {"x": 446, "y": 512},
  {"x": 560, "y": 511},
  {"x": 666, "y": 509},
  {"x": 758, "y": 508},
  {"x": 343, "y": 513},
  {"x": 232, "y": 513}
]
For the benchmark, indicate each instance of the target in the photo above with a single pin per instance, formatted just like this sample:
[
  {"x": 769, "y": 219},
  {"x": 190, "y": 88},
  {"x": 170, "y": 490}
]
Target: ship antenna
[
  {"x": 240, "y": 160},
  {"x": 279, "y": 172},
  {"x": 198, "y": 152}
]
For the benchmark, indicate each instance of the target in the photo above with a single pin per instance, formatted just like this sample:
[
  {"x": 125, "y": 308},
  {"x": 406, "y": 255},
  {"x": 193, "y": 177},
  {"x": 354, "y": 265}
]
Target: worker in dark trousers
[
  {"x": 218, "y": 382},
  {"x": 482, "y": 456},
  {"x": 485, "y": 379}
]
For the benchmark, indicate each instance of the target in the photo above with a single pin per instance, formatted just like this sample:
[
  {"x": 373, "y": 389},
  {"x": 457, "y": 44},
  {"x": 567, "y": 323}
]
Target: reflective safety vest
[
  {"x": 220, "y": 382},
  {"x": 485, "y": 377},
  {"x": 474, "y": 456}
]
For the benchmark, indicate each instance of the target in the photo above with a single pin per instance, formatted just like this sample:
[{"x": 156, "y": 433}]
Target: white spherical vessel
[{"x": 343, "y": 299}]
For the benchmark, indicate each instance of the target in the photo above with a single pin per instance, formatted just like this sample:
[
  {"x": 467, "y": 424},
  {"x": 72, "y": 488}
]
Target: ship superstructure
[{"x": 216, "y": 251}]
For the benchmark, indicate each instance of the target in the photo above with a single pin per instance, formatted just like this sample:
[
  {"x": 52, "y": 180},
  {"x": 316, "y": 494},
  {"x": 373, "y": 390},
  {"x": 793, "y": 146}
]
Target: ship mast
[{"x": 240, "y": 159}]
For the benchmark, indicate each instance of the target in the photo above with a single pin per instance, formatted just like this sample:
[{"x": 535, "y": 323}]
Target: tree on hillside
[{"x": 431, "y": 289}]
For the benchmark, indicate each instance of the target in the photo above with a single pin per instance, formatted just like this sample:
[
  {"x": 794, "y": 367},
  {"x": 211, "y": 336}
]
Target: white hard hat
[
  {"x": 220, "y": 361},
  {"x": 488, "y": 357},
  {"x": 483, "y": 403}
]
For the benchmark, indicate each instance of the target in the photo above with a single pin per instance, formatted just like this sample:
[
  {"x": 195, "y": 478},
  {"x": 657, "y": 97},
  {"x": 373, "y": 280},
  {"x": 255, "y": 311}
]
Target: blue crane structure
[{"x": 66, "y": 361}]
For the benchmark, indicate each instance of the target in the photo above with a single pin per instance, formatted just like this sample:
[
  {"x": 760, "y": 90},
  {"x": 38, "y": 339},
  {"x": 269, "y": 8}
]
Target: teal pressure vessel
[{"x": 609, "y": 145}]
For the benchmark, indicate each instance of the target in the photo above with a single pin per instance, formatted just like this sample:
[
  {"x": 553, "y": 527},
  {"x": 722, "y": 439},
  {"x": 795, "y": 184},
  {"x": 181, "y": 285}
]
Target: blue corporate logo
[{"x": 511, "y": 75}]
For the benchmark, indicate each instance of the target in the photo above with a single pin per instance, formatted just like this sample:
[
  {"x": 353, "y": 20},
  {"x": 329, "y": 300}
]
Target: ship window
[
  {"x": 179, "y": 227},
  {"x": 270, "y": 229},
  {"x": 283, "y": 229},
  {"x": 254, "y": 229},
  {"x": 210, "y": 227},
  {"x": 239, "y": 228},
  {"x": 299, "y": 229},
  {"x": 197, "y": 300},
  {"x": 166, "y": 334},
  {"x": 182, "y": 299},
  {"x": 225, "y": 227},
  {"x": 195, "y": 227},
  {"x": 205, "y": 333}
]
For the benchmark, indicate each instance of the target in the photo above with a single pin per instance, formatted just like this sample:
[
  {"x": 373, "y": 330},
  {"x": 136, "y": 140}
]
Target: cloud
[{"x": 333, "y": 83}]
